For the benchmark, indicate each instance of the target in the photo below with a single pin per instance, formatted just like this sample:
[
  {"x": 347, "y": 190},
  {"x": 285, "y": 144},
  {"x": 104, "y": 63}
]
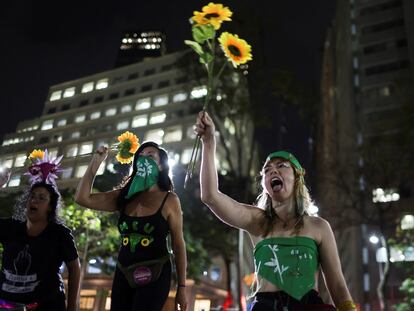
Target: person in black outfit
[
  {"x": 36, "y": 244},
  {"x": 148, "y": 212}
]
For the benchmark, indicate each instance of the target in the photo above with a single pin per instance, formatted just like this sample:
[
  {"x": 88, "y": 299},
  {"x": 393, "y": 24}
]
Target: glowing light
[{"x": 374, "y": 239}]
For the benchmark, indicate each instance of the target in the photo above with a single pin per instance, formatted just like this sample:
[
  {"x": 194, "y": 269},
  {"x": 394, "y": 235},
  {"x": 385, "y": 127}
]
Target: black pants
[
  {"x": 150, "y": 297},
  {"x": 280, "y": 301},
  {"x": 56, "y": 303}
]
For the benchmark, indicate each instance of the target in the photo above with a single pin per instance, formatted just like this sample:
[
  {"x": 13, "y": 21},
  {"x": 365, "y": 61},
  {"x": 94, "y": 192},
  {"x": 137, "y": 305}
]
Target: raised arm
[
  {"x": 331, "y": 267},
  {"x": 233, "y": 213},
  {"x": 104, "y": 201},
  {"x": 175, "y": 222}
]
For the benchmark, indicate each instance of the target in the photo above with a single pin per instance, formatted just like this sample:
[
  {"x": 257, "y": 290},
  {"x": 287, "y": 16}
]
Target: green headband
[{"x": 287, "y": 156}]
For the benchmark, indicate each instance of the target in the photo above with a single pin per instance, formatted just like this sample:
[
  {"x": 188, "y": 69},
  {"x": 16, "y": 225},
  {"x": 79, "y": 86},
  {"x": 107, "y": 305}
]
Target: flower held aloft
[
  {"x": 213, "y": 14},
  {"x": 127, "y": 146},
  {"x": 44, "y": 168},
  {"x": 237, "y": 50}
]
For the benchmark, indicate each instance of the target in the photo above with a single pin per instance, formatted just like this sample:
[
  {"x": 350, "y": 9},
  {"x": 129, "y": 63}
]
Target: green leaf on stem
[
  {"x": 202, "y": 33},
  {"x": 195, "y": 46},
  {"x": 206, "y": 58}
]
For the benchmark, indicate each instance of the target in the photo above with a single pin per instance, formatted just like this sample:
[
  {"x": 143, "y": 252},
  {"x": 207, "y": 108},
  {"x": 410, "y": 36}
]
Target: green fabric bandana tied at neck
[{"x": 146, "y": 176}]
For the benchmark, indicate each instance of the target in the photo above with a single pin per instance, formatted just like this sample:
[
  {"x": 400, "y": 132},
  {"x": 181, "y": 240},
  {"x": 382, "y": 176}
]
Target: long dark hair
[
  {"x": 55, "y": 202},
  {"x": 164, "y": 180}
]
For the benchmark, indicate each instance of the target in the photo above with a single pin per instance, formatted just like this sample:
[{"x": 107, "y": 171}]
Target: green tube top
[{"x": 290, "y": 263}]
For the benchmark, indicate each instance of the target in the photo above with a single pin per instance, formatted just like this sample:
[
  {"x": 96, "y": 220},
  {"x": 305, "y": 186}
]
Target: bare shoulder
[
  {"x": 173, "y": 203},
  {"x": 317, "y": 222},
  {"x": 317, "y": 227}
]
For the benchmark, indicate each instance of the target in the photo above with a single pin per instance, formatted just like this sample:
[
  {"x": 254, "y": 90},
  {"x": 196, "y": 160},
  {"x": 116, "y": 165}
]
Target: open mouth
[
  {"x": 33, "y": 209},
  {"x": 276, "y": 184}
]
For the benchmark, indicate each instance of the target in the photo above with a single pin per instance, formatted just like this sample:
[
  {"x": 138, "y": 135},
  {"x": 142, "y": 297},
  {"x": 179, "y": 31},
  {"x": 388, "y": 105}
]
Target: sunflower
[
  {"x": 128, "y": 159},
  {"x": 36, "y": 154},
  {"x": 237, "y": 50},
  {"x": 213, "y": 14},
  {"x": 128, "y": 145}
]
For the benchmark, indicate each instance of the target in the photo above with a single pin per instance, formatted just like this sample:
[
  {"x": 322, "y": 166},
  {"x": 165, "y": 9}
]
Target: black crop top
[{"x": 142, "y": 237}]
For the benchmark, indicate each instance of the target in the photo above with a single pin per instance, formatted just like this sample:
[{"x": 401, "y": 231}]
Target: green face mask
[{"x": 146, "y": 176}]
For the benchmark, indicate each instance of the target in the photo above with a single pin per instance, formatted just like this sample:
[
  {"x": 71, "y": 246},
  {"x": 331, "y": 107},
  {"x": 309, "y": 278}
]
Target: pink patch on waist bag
[{"x": 142, "y": 275}]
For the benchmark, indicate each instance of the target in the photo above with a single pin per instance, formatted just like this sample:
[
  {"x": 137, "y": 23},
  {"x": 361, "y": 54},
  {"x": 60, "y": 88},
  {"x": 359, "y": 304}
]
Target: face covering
[{"x": 146, "y": 176}]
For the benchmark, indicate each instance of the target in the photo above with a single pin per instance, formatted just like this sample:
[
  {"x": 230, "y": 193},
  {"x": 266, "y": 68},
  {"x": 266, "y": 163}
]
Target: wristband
[
  {"x": 180, "y": 285},
  {"x": 346, "y": 305}
]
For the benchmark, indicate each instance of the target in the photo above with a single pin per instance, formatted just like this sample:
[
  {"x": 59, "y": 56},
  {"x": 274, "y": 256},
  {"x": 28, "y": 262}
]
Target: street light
[{"x": 374, "y": 239}]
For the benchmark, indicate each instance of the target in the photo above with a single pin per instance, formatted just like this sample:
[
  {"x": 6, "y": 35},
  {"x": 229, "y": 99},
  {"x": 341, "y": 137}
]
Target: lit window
[
  {"x": 173, "y": 134},
  {"x": 154, "y": 135},
  {"x": 157, "y": 117},
  {"x": 72, "y": 151},
  {"x": 87, "y": 87},
  {"x": 69, "y": 92},
  {"x": 110, "y": 112},
  {"x": 123, "y": 125},
  {"x": 353, "y": 29},
  {"x": 179, "y": 97},
  {"x": 407, "y": 222},
  {"x": 86, "y": 148},
  {"x": 53, "y": 152},
  {"x": 160, "y": 100},
  {"x": 67, "y": 173},
  {"x": 95, "y": 115},
  {"x": 57, "y": 137},
  {"x": 102, "y": 84},
  {"x": 56, "y": 95},
  {"x": 186, "y": 155},
  {"x": 356, "y": 80},
  {"x": 143, "y": 103},
  {"x": 80, "y": 170},
  {"x": 355, "y": 62},
  {"x": 126, "y": 108},
  {"x": 20, "y": 159},
  {"x": 199, "y": 92},
  {"x": 75, "y": 134},
  {"x": 14, "y": 181},
  {"x": 47, "y": 125},
  {"x": 8, "y": 163},
  {"x": 139, "y": 121},
  {"x": 61, "y": 122},
  {"x": 80, "y": 118}
]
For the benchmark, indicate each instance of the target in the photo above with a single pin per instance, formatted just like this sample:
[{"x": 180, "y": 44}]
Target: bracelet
[
  {"x": 180, "y": 285},
  {"x": 346, "y": 305}
]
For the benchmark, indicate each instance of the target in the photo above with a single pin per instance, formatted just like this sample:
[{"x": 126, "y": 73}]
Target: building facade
[{"x": 368, "y": 62}]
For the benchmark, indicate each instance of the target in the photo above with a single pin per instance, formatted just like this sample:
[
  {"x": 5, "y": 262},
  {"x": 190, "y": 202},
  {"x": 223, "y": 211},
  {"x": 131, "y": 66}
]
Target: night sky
[{"x": 46, "y": 43}]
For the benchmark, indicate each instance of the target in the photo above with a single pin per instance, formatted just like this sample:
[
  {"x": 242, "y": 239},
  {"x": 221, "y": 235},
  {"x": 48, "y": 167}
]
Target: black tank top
[{"x": 143, "y": 237}]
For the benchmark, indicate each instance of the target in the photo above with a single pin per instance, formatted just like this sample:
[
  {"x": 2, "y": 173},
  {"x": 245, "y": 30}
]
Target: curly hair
[
  {"x": 164, "y": 180},
  {"x": 55, "y": 202},
  {"x": 302, "y": 199}
]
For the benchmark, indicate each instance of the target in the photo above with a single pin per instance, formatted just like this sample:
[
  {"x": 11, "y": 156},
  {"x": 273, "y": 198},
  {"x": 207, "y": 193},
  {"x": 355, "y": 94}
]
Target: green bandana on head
[
  {"x": 291, "y": 158},
  {"x": 287, "y": 156},
  {"x": 146, "y": 176}
]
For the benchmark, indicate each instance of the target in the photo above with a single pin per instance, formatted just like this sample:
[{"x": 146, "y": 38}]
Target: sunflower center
[
  {"x": 234, "y": 50},
  {"x": 211, "y": 15}
]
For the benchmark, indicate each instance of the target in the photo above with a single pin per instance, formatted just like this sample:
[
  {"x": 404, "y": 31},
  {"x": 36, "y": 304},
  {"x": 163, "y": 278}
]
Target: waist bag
[{"x": 144, "y": 272}]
